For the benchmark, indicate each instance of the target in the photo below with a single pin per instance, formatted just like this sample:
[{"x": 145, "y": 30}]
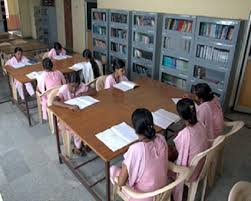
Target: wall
[
  {"x": 25, "y": 18},
  {"x": 60, "y": 21},
  {"x": 215, "y": 8},
  {"x": 33, "y": 3},
  {"x": 13, "y": 18}
]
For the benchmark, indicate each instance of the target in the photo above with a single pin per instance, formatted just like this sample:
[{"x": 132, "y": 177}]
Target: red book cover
[{"x": 181, "y": 22}]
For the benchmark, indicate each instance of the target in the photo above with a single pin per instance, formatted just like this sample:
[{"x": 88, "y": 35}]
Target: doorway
[{"x": 68, "y": 25}]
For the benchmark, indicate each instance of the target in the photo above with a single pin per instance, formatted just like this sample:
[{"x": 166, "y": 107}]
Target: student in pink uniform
[
  {"x": 58, "y": 50},
  {"x": 67, "y": 92},
  {"x": 50, "y": 78},
  {"x": 145, "y": 163},
  {"x": 18, "y": 58},
  {"x": 209, "y": 110},
  {"x": 118, "y": 74},
  {"x": 189, "y": 142}
]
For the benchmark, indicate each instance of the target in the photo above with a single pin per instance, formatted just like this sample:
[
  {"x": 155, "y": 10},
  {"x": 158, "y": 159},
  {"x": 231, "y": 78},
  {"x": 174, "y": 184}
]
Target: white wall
[{"x": 60, "y": 21}]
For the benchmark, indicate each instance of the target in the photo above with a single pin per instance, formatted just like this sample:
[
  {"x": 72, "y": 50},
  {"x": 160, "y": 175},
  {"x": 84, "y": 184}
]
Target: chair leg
[
  {"x": 221, "y": 162},
  {"x": 67, "y": 144},
  {"x": 39, "y": 109},
  {"x": 192, "y": 191},
  {"x": 204, "y": 189},
  {"x": 212, "y": 170},
  {"x": 51, "y": 124},
  {"x": 114, "y": 192},
  {"x": 13, "y": 88}
]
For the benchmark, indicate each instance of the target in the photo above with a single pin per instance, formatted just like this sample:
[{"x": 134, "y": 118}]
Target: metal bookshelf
[
  {"x": 177, "y": 49},
  {"x": 46, "y": 24},
  {"x": 214, "y": 53},
  {"x": 120, "y": 37},
  {"x": 146, "y": 31},
  {"x": 100, "y": 34}
]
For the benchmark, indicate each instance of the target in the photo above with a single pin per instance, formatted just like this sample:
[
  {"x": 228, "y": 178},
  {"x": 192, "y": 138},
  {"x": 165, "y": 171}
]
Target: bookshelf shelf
[
  {"x": 100, "y": 34},
  {"x": 146, "y": 32},
  {"x": 119, "y": 37},
  {"x": 174, "y": 72}
]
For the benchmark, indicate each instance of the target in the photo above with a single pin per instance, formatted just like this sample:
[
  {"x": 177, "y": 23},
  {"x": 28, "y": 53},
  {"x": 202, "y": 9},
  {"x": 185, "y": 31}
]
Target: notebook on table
[
  {"x": 125, "y": 85},
  {"x": 82, "y": 101},
  {"x": 61, "y": 57},
  {"x": 118, "y": 136},
  {"x": 34, "y": 75}
]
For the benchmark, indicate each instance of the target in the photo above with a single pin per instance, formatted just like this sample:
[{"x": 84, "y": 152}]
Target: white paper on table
[
  {"x": 77, "y": 67},
  {"x": 34, "y": 75},
  {"x": 125, "y": 85},
  {"x": 61, "y": 57},
  {"x": 168, "y": 115},
  {"x": 160, "y": 121},
  {"x": 118, "y": 136},
  {"x": 82, "y": 101},
  {"x": 18, "y": 65}
]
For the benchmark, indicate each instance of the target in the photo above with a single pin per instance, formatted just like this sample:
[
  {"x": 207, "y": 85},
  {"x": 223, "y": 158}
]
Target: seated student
[
  {"x": 67, "y": 92},
  {"x": 50, "y": 78},
  {"x": 58, "y": 50},
  {"x": 209, "y": 110},
  {"x": 145, "y": 163},
  {"x": 118, "y": 74},
  {"x": 18, "y": 58},
  {"x": 189, "y": 142}
]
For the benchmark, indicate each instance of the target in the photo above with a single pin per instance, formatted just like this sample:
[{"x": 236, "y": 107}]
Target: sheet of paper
[
  {"x": 126, "y": 132},
  {"x": 160, "y": 121},
  {"x": 82, "y": 102},
  {"x": 34, "y": 75},
  {"x": 59, "y": 57},
  {"x": 88, "y": 99},
  {"x": 77, "y": 67},
  {"x": 113, "y": 141},
  {"x": 125, "y": 85},
  {"x": 19, "y": 65},
  {"x": 168, "y": 115}
]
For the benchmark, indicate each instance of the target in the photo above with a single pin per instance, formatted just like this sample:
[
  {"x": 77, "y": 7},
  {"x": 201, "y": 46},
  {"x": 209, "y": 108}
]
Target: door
[{"x": 68, "y": 25}]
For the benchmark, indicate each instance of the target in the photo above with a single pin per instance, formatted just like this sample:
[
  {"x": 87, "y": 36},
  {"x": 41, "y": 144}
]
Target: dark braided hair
[{"x": 186, "y": 109}]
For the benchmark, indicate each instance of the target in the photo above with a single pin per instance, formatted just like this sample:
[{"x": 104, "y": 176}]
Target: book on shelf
[
  {"x": 164, "y": 119},
  {"x": 179, "y": 25},
  {"x": 82, "y": 101},
  {"x": 118, "y": 136},
  {"x": 125, "y": 85}
]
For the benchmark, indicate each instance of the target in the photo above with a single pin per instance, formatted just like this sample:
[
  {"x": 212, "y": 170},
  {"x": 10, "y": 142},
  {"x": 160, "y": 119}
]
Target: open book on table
[
  {"x": 82, "y": 101},
  {"x": 125, "y": 85},
  {"x": 61, "y": 57},
  {"x": 118, "y": 136},
  {"x": 34, "y": 75},
  {"x": 163, "y": 118}
]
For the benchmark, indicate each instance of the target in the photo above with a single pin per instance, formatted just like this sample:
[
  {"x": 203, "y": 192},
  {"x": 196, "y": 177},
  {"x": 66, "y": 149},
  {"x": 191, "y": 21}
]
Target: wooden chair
[
  {"x": 100, "y": 83},
  {"x": 208, "y": 156},
  {"x": 217, "y": 162},
  {"x": 163, "y": 194},
  {"x": 241, "y": 191}
]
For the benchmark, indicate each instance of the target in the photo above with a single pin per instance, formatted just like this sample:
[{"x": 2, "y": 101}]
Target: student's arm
[
  {"x": 90, "y": 92},
  {"x": 58, "y": 102},
  {"x": 123, "y": 176},
  {"x": 172, "y": 153}
]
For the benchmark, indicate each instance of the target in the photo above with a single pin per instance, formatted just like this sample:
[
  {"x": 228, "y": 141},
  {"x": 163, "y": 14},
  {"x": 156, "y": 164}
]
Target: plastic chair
[
  {"x": 208, "y": 156},
  {"x": 217, "y": 163},
  {"x": 100, "y": 83},
  {"x": 163, "y": 194},
  {"x": 1, "y": 198},
  {"x": 241, "y": 191}
]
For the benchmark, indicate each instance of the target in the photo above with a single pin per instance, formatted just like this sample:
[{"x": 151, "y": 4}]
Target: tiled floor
[{"x": 29, "y": 168}]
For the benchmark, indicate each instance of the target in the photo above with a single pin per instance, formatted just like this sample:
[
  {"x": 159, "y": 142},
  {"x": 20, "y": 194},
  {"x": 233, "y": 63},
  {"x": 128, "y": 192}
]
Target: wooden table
[
  {"x": 114, "y": 107},
  {"x": 20, "y": 75}
]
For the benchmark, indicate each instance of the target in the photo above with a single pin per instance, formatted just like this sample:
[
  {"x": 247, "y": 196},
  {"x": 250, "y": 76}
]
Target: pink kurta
[
  {"x": 205, "y": 115},
  {"x": 218, "y": 118},
  {"x": 110, "y": 81},
  {"x": 64, "y": 94},
  {"x": 147, "y": 165},
  {"x": 47, "y": 81},
  {"x": 189, "y": 142},
  {"x": 52, "y": 53},
  {"x": 13, "y": 61}
]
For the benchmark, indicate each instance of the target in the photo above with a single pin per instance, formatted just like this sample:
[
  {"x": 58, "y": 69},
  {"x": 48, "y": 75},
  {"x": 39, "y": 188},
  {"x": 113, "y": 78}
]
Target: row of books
[
  {"x": 178, "y": 25},
  {"x": 141, "y": 70},
  {"x": 119, "y": 18},
  {"x": 100, "y": 16},
  {"x": 217, "y": 31},
  {"x": 171, "y": 62},
  {"x": 204, "y": 74},
  {"x": 99, "y": 30},
  {"x": 144, "y": 20},
  {"x": 174, "y": 81},
  {"x": 212, "y": 53},
  {"x": 143, "y": 38},
  {"x": 119, "y": 33},
  {"x": 99, "y": 56},
  {"x": 116, "y": 47},
  {"x": 142, "y": 54},
  {"x": 182, "y": 44},
  {"x": 99, "y": 43}
]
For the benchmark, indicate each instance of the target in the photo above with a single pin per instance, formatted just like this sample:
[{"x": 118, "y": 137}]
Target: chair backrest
[
  {"x": 52, "y": 93},
  {"x": 236, "y": 126},
  {"x": 100, "y": 83},
  {"x": 164, "y": 193},
  {"x": 45, "y": 55},
  {"x": 241, "y": 191},
  {"x": 206, "y": 155}
]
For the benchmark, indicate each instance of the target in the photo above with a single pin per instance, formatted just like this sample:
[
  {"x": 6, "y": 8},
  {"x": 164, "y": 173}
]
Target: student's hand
[
  {"x": 74, "y": 108},
  {"x": 188, "y": 95}
]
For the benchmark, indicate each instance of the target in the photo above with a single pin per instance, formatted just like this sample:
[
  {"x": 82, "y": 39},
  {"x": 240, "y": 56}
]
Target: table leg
[
  {"x": 26, "y": 104},
  {"x": 108, "y": 183},
  {"x": 11, "y": 91},
  {"x": 57, "y": 137}
]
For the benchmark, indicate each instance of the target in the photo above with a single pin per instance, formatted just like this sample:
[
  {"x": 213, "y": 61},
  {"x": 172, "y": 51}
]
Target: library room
[{"x": 114, "y": 100}]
